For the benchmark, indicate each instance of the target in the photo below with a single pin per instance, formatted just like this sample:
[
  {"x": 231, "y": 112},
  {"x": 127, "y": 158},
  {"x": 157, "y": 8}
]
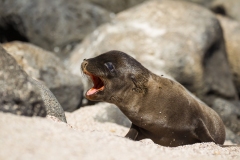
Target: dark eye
[{"x": 110, "y": 66}]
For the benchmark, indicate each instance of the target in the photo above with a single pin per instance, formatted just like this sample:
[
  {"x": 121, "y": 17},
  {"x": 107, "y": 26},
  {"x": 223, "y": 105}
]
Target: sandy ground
[{"x": 91, "y": 135}]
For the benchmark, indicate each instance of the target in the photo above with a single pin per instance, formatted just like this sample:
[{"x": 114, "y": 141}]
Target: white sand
[{"x": 85, "y": 138}]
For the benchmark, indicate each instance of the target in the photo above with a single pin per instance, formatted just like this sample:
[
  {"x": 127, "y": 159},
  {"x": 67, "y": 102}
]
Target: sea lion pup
[{"x": 159, "y": 108}]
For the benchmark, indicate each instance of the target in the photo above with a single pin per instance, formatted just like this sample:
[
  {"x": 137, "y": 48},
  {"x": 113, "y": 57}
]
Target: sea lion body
[{"x": 159, "y": 108}]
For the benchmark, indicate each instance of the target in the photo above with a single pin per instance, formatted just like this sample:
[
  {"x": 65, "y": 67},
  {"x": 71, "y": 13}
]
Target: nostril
[{"x": 84, "y": 64}]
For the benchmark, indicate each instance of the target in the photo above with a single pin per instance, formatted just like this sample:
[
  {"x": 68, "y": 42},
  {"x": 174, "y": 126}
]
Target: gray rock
[
  {"x": 54, "y": 25},
  {"x": 52, "y": 105},
  {"x": 116, "y": 5},
  {"x": 46, "y": 67},
  {"x": 206, "y": 3},
  {"x": 231, "y": 30},
  {"x": 230, "y": 135},
  {"x": 17, "y": 94},
  {"x": 170, "y": 38},
  {"x": 22, "y": 95},
  {"x": 228, "y": 8},
  {"x": 229, "y": 113}
]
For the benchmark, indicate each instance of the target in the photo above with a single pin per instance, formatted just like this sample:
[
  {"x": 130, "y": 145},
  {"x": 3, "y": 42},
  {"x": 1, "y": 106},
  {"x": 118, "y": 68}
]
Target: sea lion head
[{"x": 113, "y": 74}]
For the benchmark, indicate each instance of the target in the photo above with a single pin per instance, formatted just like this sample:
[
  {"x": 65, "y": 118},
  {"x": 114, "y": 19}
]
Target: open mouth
[{"x": 98, "y": 85}]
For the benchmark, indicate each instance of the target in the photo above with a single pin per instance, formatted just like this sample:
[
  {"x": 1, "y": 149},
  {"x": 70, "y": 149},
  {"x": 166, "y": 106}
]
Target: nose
[{"x": 84, "y": 64}]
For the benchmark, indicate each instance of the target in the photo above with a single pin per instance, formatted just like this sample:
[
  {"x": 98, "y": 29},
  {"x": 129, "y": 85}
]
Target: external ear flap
[{"x": 139, "y": 81}]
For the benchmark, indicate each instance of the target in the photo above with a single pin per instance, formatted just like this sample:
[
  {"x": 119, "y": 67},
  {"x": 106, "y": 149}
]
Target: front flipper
[
  {"x": 203, "y": 133},
  {"x": 133, "y": 132}
]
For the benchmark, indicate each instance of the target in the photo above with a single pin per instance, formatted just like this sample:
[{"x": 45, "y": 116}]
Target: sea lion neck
[{"x": 132, "y": 96}]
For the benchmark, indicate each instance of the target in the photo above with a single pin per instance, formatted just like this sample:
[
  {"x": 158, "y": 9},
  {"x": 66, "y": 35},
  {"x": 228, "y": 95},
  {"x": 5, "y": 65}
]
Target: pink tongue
[{"x": 92, "y": 91}]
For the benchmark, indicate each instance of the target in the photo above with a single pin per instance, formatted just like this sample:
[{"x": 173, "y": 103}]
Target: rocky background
[{"x": 195, "y": 42}]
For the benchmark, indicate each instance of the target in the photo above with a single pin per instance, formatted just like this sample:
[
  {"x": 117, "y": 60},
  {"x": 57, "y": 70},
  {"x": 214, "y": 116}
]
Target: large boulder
[
  {"x": 231, "y": 30},
  {"x": 53, "y": 108},
  {"x": 206, "y": 3},
  {"x": 54, "y": 25},
  {"x": 17, "y": 94},
  {"x": 170, "y": 38},
  {"x": 21, "y": 94},
  {"x": 230, "y": 113},
  {"x": 46, "y": 67},
  {"x": 228, "y": 8},
  {"x": 116, "y": 5},
  {"x": 231, "y": 136}
]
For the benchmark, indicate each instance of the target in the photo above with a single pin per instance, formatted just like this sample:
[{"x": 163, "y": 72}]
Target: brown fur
[{"x": 159, "y": 108}]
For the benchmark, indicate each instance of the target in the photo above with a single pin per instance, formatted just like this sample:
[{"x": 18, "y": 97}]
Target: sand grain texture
[{"x": 85, "y": 138}]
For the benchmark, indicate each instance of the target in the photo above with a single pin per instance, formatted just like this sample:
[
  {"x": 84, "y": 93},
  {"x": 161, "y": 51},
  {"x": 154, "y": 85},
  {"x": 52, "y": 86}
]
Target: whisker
[{"x": 82, "y": 73}]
